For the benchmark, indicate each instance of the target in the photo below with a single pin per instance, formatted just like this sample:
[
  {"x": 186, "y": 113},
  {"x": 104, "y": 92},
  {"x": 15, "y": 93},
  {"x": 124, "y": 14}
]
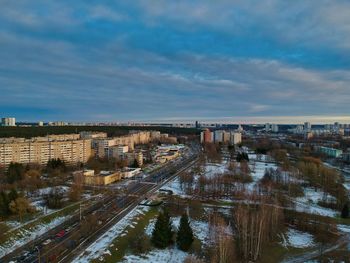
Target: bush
[{"x": 141, "y": 244}]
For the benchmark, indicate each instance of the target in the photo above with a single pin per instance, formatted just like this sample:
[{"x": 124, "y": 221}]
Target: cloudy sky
[{"x": 238, "y": 60}]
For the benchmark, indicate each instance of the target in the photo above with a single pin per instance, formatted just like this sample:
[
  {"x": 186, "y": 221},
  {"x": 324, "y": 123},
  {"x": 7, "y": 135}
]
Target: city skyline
[{"x": 237, "y": 61}]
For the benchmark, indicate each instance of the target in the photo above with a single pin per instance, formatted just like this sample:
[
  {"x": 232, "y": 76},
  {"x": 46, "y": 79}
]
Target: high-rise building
[
  {"x": 267, "y": 127},
  {"x": 207, "y": 136},
  {"x": 274, "y": 127},
  {"x": 218, "y": 136},
  {"x": 307, "y": 126},
  {"x": 8, "y": 122},
  {"x": 236, "y": 138}
]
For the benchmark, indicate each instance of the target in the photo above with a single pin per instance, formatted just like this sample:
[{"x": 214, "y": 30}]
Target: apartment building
[
  {"x": 102, "y": 146},
  {"x": 8, "y": 122},
  {"x": 69, "y": 148}
]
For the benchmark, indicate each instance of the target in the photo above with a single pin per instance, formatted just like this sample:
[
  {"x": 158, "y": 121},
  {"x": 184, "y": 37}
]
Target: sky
[{"x": 234, "y": 60}]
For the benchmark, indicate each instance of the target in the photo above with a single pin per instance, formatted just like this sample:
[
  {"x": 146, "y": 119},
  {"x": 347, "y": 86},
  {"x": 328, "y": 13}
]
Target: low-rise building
[
  {"x": 130, "y": 172},
  {"x": 103, "y": 178}
]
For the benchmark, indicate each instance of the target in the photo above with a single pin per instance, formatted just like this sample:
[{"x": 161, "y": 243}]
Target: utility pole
[{"x": 79, "y": 212}]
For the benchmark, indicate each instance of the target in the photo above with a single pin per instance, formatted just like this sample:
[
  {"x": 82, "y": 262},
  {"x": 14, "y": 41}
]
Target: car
[
  {"x": 61, "y": 234},
  {"x": 47, "y": 241}
]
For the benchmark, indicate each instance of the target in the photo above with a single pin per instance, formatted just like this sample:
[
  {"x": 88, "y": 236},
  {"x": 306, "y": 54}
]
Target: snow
[
  {"x": 200, "y": 228},
  {"x": 308, "y": 203},
  {"x": 314, "y": 209},
  {"x": 26, "y": 235},
  {"x": 344, "y": 228},
  {"x": 310, "y": 195},
  {"x": 173, "y": 255},
  {"x": 298, "y": 239},
  {"x": 258, "y": 169},
  {"x": 212, "y": 169},
  {"x": 100, "y": 246},
  {"x": 47, "y": 190},
  {"x": 175, "y": 187}
]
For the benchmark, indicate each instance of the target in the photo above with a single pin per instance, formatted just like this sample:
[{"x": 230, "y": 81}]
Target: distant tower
[
  {"x": 307, "y": 126},
  {"x": 197, "y": 125}
]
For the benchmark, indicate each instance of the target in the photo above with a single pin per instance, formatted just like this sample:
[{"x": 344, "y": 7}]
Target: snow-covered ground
[
  {"x": 297, "y": 239},
  {"x": 47, "y": 190},
  {"x": 200, "y": 231},
  {"x": 200, "y": 228},
  {"x": 308, "y": 203},
  {"x": 175, "y": 187},
  {"x": 211, "y": 169},
  {"x": 312, "y": 196},
  {"x": 172, "y": 255},
  {"x": 25, "y": 236},
  {"x": 314, "y": 209},
  {"x": 344, "y": 228},
  {"x": 103, "y": 245}
]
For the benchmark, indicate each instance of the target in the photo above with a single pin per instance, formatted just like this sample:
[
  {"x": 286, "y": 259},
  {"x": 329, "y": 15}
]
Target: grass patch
[{"x": 275, "y": 252}]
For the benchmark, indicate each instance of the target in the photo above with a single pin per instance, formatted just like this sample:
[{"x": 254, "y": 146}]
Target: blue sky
[{"x": 238, "y": 60}]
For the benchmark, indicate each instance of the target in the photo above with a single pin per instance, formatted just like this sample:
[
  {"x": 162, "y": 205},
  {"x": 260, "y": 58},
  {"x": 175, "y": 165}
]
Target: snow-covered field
[
  {"x": 103, "y": 245},
  {"x": 211, "y": 169},
  {"x": 312, "y": 196},
  {"x": 175, "y": 187},
  {"x": 200, "y": 228},
  {"x": 308, "y": 203},
  {"x": 200, "y": 231},
  {"x": 172, "y": 255},
  {"x": 25, "y": 236},
  {"x": 297, "y": 239},
  {"x": 315, "y": 209}
]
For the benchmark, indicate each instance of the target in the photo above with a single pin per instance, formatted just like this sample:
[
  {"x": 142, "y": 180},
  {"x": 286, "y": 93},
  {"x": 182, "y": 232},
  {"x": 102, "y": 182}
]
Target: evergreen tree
[
  {"x": 345, "y": 211},
  {"x": 14, "y": 173},
  {"x": 162, "y": 234},
  {"x": 184, "y": 236},
  {"x": 4, "y": 204}
]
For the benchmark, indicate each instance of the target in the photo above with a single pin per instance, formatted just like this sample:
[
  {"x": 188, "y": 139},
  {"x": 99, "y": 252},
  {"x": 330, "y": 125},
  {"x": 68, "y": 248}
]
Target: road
[{"x": 109, "y": 211}]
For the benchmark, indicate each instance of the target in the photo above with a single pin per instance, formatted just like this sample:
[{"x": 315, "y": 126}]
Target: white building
[
  {"x": 267, "y": 127},
  {"x": 218, "y": 136},
  {"x": 236, "y": 138},
  {"x": 8, "y": 122},
  {"x": 274, "y": 127},
  {"x": 40, "y": 123},
  {"x": 130, "y": 172},
  {"x": 307, "y": 126}
]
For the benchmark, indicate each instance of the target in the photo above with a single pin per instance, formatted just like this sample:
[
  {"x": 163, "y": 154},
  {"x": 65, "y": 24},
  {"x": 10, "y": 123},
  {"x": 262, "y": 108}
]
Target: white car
[{"x": 47, "y": 241}]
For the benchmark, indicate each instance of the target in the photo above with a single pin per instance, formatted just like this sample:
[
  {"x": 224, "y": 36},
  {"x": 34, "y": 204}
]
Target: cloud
[{"x": 79, "y": 61}]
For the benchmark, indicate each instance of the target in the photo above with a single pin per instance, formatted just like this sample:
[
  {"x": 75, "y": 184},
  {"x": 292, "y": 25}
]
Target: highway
[{"x": 107, "y": 212}]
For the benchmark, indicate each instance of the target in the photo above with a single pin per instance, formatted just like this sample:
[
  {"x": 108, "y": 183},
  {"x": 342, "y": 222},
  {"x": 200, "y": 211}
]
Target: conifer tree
[
  {"x": 162, "y": 234},
  {"x": 345, "y": 211},
  {"x": 184, "y": 236}
]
